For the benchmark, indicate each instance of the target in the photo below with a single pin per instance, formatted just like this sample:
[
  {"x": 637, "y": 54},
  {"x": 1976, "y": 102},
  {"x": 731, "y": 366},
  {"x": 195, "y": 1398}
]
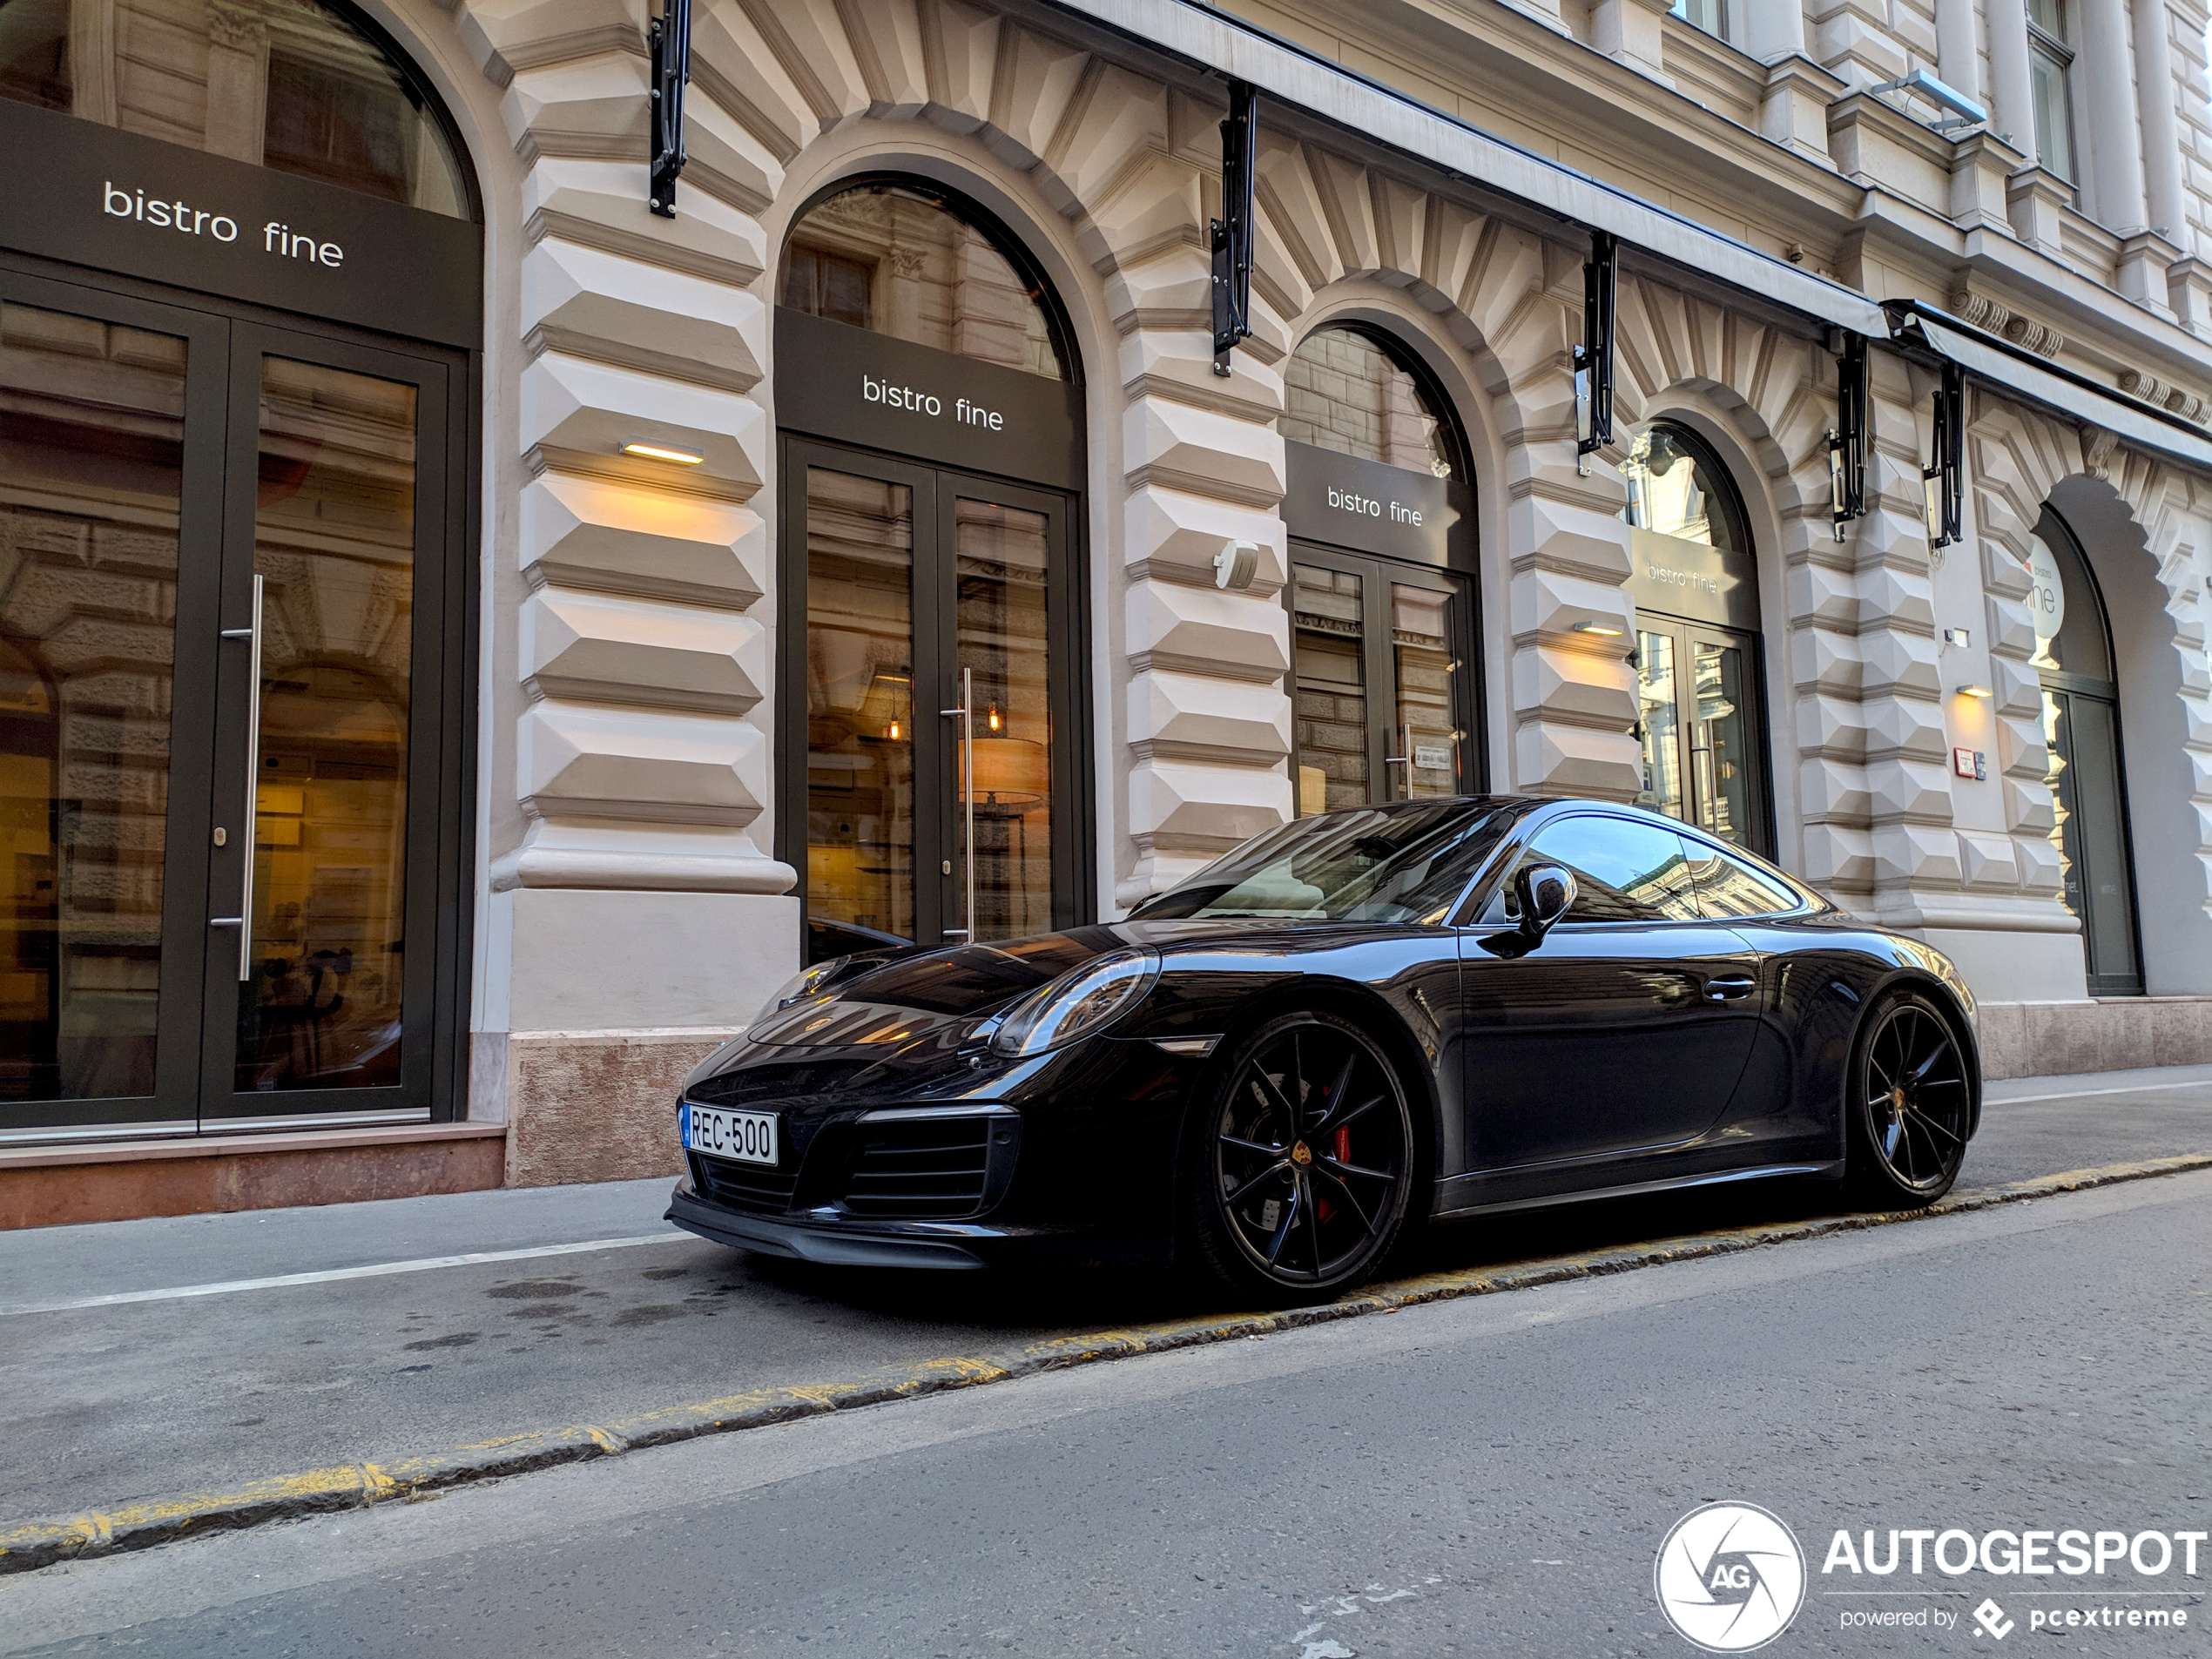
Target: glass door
[
  {"x": 320, "y": 965},
  {"x": 110, "y": 473},
  {"x": 1704, "y": 741},
  {"x": 2082, "y": 732},
  {"x": 1381, "y": 687},
  {"x": 925, "y": 774}
]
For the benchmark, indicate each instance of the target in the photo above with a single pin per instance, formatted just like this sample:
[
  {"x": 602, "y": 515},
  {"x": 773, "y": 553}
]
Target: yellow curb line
[{"x": 42, "y": 1543}]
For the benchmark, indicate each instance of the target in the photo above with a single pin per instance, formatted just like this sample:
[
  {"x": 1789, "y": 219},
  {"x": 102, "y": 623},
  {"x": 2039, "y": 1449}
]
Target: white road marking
[
  {"x": 2088, "y": 1094},
  {"x": 374, "y": 1270}
]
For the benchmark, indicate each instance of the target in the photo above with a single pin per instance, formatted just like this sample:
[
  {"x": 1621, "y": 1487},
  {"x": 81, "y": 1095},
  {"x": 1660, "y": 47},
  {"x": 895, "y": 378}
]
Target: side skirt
[{"x": 1829, "y": 1170}]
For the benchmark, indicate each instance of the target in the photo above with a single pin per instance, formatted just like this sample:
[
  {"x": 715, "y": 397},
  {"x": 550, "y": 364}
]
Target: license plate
[{"x": 743, "y": 1138}]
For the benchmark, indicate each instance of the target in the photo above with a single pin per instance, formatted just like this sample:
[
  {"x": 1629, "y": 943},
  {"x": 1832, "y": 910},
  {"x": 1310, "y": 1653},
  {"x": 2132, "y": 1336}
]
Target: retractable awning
[
  {"x": 1998, "y": 362},
  {"x": 1287, "y": 72},
  {"x": 1213, "y": 40}
]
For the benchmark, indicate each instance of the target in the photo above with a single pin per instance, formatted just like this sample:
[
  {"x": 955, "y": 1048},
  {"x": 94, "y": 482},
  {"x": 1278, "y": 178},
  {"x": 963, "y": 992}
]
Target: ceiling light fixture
[
  {"x": 1602, "y": 630},
  {"x": 1975, "y": 690}
]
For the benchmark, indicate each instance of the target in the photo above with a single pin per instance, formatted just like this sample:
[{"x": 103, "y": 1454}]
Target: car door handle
[{"x": 1729, "y": 987}]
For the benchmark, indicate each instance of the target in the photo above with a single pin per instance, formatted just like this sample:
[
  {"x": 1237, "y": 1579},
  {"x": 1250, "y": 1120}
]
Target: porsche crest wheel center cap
[
  {"x": 1897, "y": 1100},
  {"x": 1301, "y": 1154}
]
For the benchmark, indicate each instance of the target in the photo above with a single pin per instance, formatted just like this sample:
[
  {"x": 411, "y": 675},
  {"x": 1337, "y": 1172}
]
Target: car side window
[
  {"x": 1623, "y": 870},
  {"x": 1728, "y": 886}
]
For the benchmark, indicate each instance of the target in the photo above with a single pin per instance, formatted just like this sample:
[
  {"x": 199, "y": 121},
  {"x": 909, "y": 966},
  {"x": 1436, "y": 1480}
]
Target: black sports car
[{"x": 1348, "y": 1026}]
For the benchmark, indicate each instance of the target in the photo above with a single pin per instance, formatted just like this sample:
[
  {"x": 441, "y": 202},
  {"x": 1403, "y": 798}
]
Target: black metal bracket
[
  {"x": 1847, "y": 440},
  {"x": 1594, "y": 357},
  {"x": 669, "y": 39},
  {"x": 1946, "y": 476},
  {"x": 1232, "y": 232}
]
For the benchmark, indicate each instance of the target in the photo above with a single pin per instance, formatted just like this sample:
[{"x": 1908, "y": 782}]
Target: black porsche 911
[{"x": 1349, "y": 1026}]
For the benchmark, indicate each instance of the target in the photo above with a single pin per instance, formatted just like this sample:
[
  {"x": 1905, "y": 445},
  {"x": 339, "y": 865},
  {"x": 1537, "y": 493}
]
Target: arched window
[
  {"x": 2073, "y": 659},
  {"x": 895, "y": 258},
  {"x": 294, "y": 85},
  {"x": 1702, "y": 717},
  {"x": 1384, "y": 687},
  {"x": 1356, "y": 392}
]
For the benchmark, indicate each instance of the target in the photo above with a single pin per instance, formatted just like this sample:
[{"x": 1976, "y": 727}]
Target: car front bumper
[{"x": 840, "y": 1241}]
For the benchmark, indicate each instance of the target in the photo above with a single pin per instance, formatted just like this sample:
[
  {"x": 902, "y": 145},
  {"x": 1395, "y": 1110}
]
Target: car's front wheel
[
  {"x": 1302, "y": 1165},
  {"x": 1910, "y": 1103}
]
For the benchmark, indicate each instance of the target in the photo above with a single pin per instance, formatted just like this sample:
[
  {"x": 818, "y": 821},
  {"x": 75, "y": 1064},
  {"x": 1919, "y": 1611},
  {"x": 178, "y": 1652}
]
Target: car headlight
[
  {"x": 1078, "y": 1003},
  {"x": 801, "y": 984}
]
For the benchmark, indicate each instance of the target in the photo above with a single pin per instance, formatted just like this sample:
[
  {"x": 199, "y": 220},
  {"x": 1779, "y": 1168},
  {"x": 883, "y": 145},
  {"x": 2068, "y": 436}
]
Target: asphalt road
[
  {"x": 1488, "y": 1476},
  {"x": 113, "y": 1403}
]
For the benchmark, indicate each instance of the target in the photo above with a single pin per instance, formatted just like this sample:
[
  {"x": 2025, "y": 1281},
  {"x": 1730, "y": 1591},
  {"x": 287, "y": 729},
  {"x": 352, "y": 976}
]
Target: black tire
[
  {"x": 1301, "y": 1167},
  {"x": 1908, "y": 1105}
]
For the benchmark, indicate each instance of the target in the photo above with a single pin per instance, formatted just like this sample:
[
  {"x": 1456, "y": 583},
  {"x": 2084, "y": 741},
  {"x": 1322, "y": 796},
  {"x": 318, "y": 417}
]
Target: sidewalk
[{"x": 134, "y": 1398}]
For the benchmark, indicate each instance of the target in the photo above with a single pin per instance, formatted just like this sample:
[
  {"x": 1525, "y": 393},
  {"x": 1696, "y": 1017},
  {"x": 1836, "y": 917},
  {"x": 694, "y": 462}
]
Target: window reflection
[
  {"x": 91, "y": 437},
  {"x": 1342, "y": 391},
  {"x": 287, "y": 85},
  {"x": 1001, "y": 553},
  {"x": 1329, "y": 712},
  {"x": 887, "y": 259},
  {"x": 1623, "y": 871},
  {"x": 1670, "y": 492},
  {"x": 334, "y": 545}
]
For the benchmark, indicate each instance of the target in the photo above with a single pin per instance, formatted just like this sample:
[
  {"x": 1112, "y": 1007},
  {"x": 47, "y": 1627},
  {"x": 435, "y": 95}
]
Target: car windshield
[{"x": 1406, "y": 862}]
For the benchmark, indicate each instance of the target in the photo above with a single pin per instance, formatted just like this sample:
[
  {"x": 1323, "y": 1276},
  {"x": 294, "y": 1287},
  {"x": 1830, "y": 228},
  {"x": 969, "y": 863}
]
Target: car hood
[{"x": 935, "y": 998}]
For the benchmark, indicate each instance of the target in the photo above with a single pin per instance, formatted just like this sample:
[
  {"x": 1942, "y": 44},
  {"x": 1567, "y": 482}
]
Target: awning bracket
[
  {"x": 1594, "y": 357},
  {"x": 669, "y": 41},
  {"x": 1946, "y": 475},
  {"x": 1232, "y": 232},
  {"x": 1847, "y": 438}
]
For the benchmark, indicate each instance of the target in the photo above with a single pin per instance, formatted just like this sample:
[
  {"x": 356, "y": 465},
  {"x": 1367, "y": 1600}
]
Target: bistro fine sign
[
  {"x": 119, "y": 201},
  {"x": 1366, "y": 505}
]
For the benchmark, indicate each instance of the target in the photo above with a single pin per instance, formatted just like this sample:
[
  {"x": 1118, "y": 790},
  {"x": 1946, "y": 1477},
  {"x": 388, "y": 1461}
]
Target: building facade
[{"x": 601, "y": 610}]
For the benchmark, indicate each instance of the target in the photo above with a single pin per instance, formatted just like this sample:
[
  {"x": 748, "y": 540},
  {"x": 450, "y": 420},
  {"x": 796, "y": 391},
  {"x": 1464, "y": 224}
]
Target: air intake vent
[
  {"x": 926, "y": 1168},
  {"x": 752, "y": 1187}
]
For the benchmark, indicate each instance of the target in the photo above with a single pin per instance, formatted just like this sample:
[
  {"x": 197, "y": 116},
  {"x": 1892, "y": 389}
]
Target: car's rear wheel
[
  {"x": 1302, "y": 1165},
  {"x": 1910, "y": 1105}
]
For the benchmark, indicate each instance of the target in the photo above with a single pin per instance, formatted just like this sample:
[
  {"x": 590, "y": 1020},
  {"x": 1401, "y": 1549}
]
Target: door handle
[
  {"x": 1729, "y": 987},
  {"x": 966, "y": 715},
  {"x": 251, "y": 637}
]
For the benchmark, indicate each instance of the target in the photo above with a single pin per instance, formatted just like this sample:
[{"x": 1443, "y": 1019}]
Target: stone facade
[{"x": 630, "y": 893}]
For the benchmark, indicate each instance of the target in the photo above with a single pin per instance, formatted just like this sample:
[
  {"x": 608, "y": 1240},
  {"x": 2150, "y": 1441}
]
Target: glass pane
[
  {"x": 1623, "y": 871},
  {"x": 860, "y": 702},
  {"x": 1328, "y": 642},
  {"x": 1705, "y": 14},
  {"x": 2054, "y": 124},
  {"x": 889, "y": 260},
  {"x": 283, "y": 83},
  {"x": 1673, "y": 492},
  {"x": 1662, "y": 725},
  {"x": 1729, "y": 887},
  {"x": 2091, "y": 835},
  {"x": 1001, "y": 554},
  {"x": 1421, "y": 640},
  {"x": 1343, "y": 392},
  {"x": 2062, "y": 602},
  {"x": 1720, "y": 746},
  {"x": 91, "y": 455},
  {"x": 334, "y": 541}
]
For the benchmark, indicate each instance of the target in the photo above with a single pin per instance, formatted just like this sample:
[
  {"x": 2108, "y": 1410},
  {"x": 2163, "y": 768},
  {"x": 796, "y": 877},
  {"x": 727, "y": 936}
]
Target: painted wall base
[
  {"x": 597, "y": 1105},
  {"x": 69, "y": 1186},
  {"x": 2108, "y": 1033}
]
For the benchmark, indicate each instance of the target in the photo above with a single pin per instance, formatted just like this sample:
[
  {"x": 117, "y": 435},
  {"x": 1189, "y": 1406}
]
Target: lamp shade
[{"x": 1011, "y": 771}]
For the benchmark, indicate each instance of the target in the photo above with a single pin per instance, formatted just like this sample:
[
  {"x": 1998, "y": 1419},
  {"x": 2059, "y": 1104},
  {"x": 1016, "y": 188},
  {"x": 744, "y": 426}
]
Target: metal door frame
[
  {"x": 1685, "y": 633},
  {"x": 1377, "y": 572},
  {"x": 441, "y": 736},
  {"x": 934, "y": 610}
]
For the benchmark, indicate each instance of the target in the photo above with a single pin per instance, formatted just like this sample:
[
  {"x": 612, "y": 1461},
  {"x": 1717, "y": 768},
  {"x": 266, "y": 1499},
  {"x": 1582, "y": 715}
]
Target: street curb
[{"x": 36, "y": 1544}]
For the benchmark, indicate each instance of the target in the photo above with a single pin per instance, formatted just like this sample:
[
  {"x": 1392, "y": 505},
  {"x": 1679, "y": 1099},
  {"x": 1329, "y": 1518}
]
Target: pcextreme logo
[{"x": 1729, "y": 1577}]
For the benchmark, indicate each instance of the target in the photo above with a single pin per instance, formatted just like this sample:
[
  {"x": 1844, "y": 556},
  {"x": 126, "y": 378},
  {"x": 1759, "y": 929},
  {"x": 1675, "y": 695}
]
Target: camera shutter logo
[{"x": 1729, "y": 1577}]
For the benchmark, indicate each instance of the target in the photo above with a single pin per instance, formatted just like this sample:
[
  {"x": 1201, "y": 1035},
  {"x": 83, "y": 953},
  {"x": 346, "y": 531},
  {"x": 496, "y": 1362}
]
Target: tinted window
[
  {"x": 1728, "y": 886},
  {"x": 1403, "y": 863},
  {"x": 1623, "y": 870}
]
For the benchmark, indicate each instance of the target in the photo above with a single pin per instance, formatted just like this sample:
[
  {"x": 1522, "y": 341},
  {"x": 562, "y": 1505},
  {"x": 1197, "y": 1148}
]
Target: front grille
[
  {"x": 754, "y": 1188},
  {"x": 922, "y": 1168}
]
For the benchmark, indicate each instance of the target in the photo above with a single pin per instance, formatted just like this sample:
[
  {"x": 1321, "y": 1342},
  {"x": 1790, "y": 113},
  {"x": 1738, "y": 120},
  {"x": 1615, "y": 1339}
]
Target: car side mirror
[{"x": 1545, "y": 892}]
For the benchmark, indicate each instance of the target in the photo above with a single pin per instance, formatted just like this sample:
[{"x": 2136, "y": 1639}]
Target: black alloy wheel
[
  {"x": 1911, "y": 1104},
  {"x": 1305, "y": 1173}
]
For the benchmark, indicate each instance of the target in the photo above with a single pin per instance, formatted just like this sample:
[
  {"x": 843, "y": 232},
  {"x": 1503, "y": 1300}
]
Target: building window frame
[
  {"x": 1711, "y": 15},
  {"x": 2050, "y": 68}
]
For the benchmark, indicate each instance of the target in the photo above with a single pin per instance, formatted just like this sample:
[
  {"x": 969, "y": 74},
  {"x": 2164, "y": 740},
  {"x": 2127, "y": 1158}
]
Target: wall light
[
  {"x": 1602, "y": 630},
  {"x": 1975, "y": 690},
  {"x": 660, "y": 452}
]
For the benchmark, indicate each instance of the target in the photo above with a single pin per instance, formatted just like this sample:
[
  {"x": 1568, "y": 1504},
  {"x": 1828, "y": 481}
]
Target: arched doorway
[
  {"x": 2074, "y": 658},
  {"x": 234, "y": 485},
  {"x": 932, "y": 460},
  {"x": 1385, "y": 690},
  {"x": 1702, "y": 715}
]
